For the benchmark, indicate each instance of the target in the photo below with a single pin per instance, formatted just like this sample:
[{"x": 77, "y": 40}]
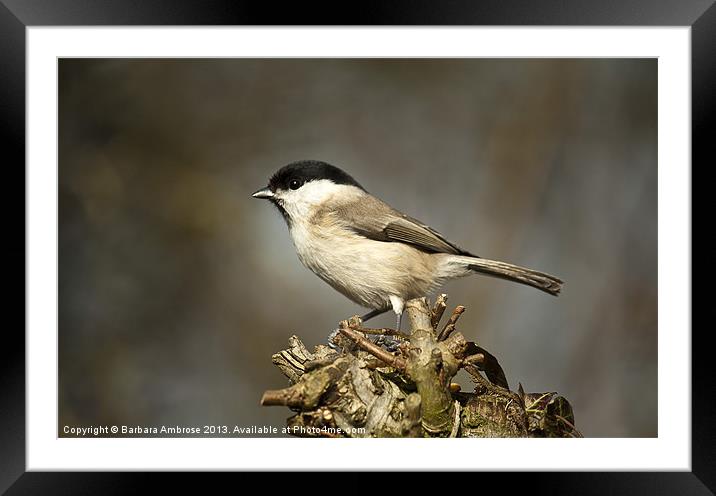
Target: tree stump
[{"x": 367, "y": 391}]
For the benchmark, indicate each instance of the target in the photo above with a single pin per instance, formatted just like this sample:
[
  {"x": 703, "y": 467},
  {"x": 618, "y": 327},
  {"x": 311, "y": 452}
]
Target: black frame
[{"x": 16, "y": 15}]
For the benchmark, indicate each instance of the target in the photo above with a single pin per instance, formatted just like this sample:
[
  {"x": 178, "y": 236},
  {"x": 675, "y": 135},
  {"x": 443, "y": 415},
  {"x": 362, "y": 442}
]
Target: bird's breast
[
  {"x": 366, "y": 271},
  {"x": 329, "y": 252}
]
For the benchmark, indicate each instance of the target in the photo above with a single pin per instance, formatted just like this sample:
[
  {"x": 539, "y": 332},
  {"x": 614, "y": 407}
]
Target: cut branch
[
  {"x": 450, "y": 326},
  {"x": 373, "y": 349},
  {"x": 438, "y": 310}
]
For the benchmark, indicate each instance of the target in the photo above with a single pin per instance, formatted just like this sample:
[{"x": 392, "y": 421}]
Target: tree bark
[{"x": 367, "y": 391}]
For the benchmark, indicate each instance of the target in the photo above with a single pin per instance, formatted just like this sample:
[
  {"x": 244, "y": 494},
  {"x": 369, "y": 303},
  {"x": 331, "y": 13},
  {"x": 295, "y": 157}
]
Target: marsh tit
[{"x": 373, "y": 254}]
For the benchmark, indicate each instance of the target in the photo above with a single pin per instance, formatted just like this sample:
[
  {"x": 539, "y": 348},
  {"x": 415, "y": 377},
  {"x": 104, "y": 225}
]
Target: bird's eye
[{"x": 294, "y": 184}]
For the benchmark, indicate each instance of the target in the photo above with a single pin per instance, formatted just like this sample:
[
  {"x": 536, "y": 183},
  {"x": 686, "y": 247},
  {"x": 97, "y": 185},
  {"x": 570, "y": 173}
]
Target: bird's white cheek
[
  {"x": 297, "y": 206},
  {"x": 302, "y": 202}
]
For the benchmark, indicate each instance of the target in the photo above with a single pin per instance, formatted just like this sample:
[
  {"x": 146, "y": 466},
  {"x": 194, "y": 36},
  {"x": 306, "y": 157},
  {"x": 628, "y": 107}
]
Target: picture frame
[{"x": 17, "y": 15}]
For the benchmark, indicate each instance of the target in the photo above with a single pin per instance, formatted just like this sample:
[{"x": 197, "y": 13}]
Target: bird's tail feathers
[{"x": 540, "y": 280}]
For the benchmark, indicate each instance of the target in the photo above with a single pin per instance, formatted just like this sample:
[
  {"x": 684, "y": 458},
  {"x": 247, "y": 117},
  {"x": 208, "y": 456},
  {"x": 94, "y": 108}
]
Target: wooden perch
[{"x": 368, "y": 391}]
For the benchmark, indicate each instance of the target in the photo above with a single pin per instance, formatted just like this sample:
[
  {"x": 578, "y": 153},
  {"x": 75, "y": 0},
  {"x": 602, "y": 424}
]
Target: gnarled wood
[{"x": 367, "y": 391}]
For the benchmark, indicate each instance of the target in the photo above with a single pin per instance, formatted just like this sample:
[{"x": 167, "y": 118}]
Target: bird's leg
[
  {"x": 398, "y": 305},
  {"x": 390, "y": 342},
  {"x": 379, "y": 340},
  {"x": 373, "y": 313}
]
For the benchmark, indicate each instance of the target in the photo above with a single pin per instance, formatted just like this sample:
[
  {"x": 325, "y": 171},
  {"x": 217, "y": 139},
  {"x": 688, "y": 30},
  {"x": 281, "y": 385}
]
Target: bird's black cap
[{"x": 309, "y": 170}]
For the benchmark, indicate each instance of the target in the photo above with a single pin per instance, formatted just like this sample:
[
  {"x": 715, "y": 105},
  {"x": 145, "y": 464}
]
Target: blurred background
[{"x": 176, "y": 287}]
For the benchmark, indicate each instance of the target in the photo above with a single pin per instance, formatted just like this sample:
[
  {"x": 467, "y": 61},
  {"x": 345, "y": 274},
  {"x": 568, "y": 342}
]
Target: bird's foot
[
  {"x": 331, "y": 339},
  {"x": 389, "y": 342}
]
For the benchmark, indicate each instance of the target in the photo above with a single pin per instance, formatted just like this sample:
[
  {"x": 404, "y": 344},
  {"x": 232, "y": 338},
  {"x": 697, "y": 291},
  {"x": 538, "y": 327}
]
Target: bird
[{"x": 375, "y": 255}]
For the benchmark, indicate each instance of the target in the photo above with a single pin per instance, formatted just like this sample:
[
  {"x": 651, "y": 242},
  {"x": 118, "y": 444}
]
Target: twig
[
  {"x": 450, "y": 326},
  {"x": 438, "y": 309},
  {"x": 289, "y": 396},
  {"x": 375, "y": 350},
  {"x": 477, "y": 376},
  {"x": 473, "y": 359},
  {"x": 383, "y": 331}
]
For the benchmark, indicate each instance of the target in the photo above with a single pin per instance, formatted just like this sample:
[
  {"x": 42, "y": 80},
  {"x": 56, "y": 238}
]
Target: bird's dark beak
[{"x": 264, "y": 193}]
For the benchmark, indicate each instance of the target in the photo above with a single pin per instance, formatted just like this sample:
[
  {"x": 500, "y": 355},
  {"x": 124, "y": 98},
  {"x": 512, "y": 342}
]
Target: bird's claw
[
  {"x": 331, "y": 339},
  {"x": 389, "y": 342}
]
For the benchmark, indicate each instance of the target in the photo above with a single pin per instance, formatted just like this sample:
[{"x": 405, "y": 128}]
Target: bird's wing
[{"x": 376, "y": 220}]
